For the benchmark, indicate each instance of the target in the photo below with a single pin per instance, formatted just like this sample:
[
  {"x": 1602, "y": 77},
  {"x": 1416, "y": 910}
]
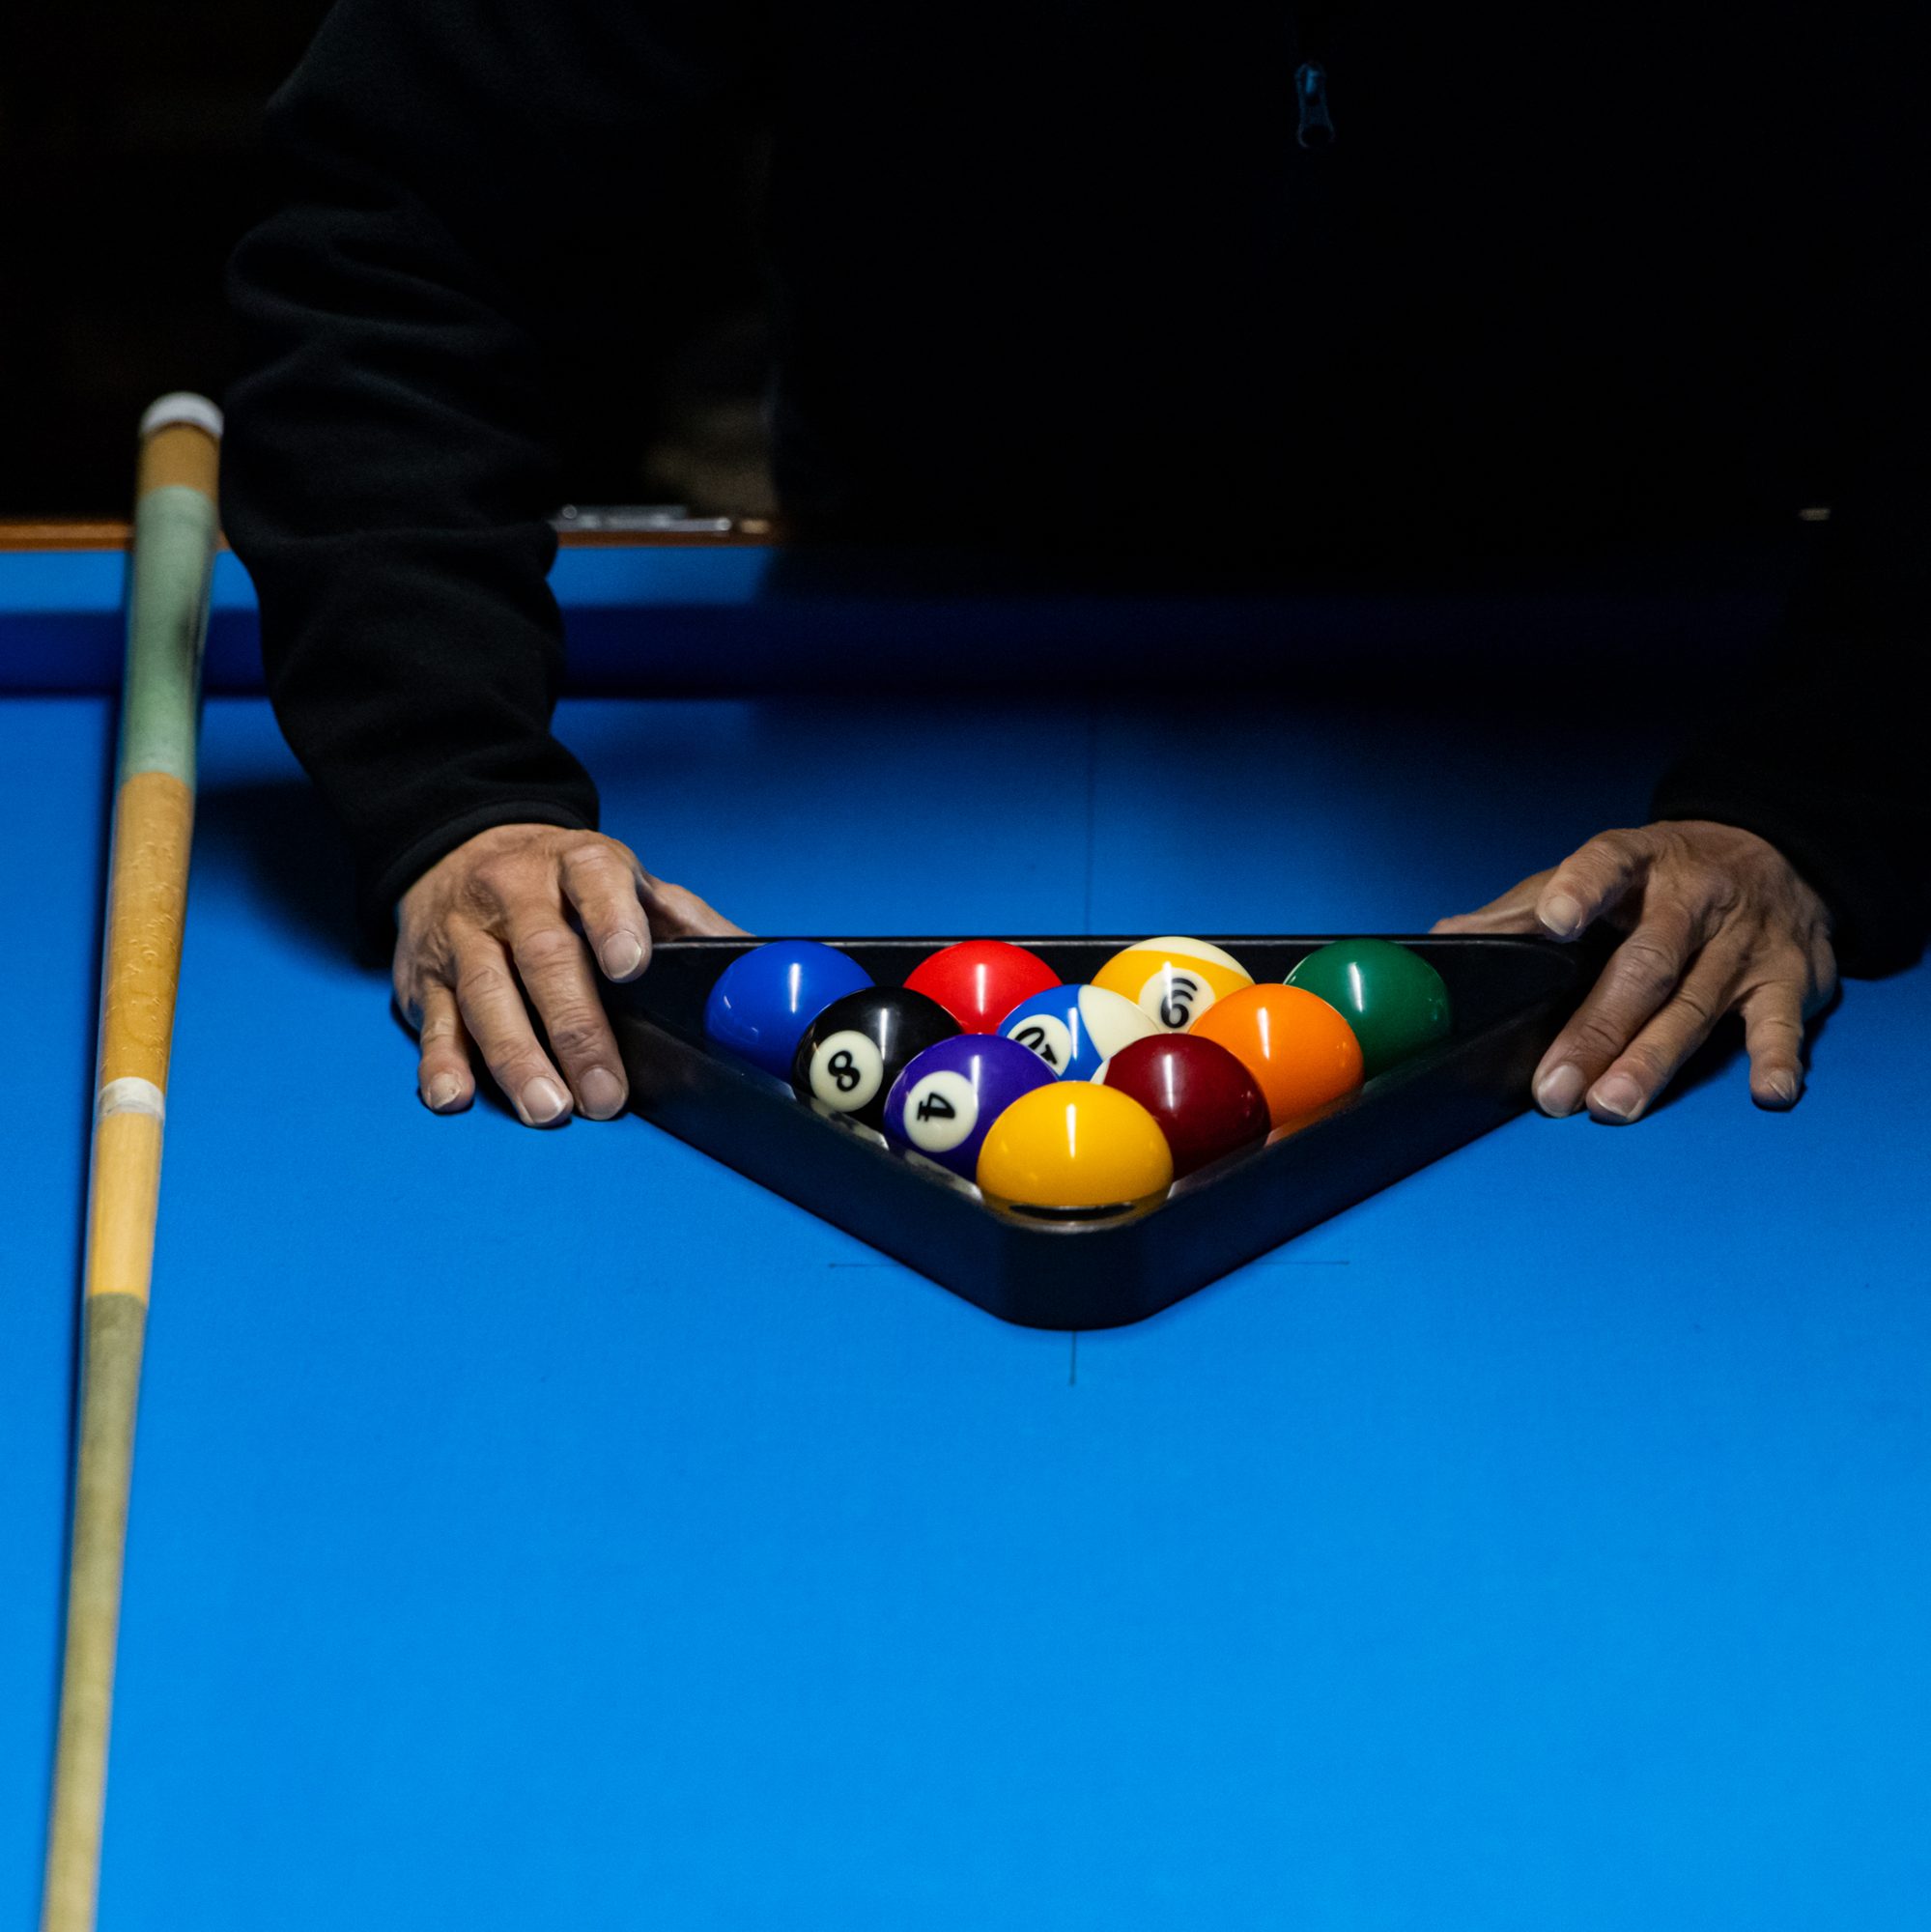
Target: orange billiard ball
[{"x": 1296, "y": 1046}]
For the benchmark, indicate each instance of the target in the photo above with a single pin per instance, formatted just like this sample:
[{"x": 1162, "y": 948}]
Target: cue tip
[{"x": 180, "y": 405}]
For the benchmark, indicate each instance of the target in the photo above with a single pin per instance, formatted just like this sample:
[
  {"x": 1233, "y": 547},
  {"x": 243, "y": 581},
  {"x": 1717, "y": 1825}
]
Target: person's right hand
[{"x": 531, "y": 911}]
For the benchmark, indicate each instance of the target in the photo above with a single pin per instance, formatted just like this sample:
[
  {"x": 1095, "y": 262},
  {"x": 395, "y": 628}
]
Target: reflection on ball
[
  {"x": 1392, "y": 997},
  {"x": 854, "y": 1050},
  {"x": 1296, "y": 1046},
  {"x": 1074, "y": 1028},
  {"x": 1173, "y": 980},
  {"x": 1074, "y": 1147},
  {"x": 943, "y": 1105},
  {"x": 765, "y": 999}
]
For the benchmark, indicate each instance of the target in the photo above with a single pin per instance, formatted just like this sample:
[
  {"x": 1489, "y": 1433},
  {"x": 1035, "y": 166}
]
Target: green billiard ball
[{"x": 1391, "y": 997}]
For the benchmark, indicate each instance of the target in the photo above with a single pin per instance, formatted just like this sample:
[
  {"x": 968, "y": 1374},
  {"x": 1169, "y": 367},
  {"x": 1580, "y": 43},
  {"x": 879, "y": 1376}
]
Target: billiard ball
[
  {"x": 765, "y": 999},
  {"x": 1206, "y": 1103},
  {"x": 1076, "y": 1149},
  {"x": 979, "y": 982},
  {"x": 1391, "y": 996},
  {"x": 1173, "y": 980},
  {"x": 1299, "y": 1050},
  {"x": 1072, "y": 1029},
  {"x": 944, "y": 1103},
  {"x": 854, "y": 1050}
]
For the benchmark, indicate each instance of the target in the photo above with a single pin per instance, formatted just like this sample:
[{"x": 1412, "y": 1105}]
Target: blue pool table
[{"x": 558, "y": 1529}]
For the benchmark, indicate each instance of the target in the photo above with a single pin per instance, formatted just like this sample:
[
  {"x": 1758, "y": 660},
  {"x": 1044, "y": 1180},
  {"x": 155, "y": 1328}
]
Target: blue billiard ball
[
  {"x": 1074, "y": 1028},
  {"x": 765, "y": 999},
  {"x": 947, "y": 1098}
]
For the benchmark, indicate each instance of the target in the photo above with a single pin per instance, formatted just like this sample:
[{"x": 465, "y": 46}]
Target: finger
[
  {"x": 1773, "y": 1038},
  {"x": 1506, "y": 914},
  {"x": 443, "y": 1077},
  {"x": 1655, "y": 1057},
  {"x": 1820, "y": 985},
  {"x": 677, "y": 913},
  {"x": 492, "y": 1008},
  {"x": 1591, "y": 881},
  {"x": 600, "y": 883},
  {"x": 555, "y": 972},
  {"x": 1641, "y": 974}
]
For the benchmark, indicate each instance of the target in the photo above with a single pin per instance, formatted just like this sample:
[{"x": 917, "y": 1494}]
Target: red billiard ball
[
  {"x": 979, "y": 982},
  {"x": 1208, "y": 1104}
]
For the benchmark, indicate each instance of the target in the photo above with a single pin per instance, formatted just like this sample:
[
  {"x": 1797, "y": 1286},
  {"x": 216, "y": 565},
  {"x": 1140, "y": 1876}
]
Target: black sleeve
[
  {"x": 463, "y": 193},
  {"x": 1823, "y": 753}
]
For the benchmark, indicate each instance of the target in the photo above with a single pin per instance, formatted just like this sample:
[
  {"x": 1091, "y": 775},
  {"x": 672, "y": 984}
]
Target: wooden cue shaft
[{"x": 171, "y": 565}]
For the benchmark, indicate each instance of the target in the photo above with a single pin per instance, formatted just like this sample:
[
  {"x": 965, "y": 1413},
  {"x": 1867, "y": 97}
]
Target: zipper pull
[{"x": 1311, "y": 91}]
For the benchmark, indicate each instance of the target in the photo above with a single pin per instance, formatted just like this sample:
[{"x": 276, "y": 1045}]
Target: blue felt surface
[
  {"x": 559, "y": 1529},
  {"x": 707, "y": 618}
]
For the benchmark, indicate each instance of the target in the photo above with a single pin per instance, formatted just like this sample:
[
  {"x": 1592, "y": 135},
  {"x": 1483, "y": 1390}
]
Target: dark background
[{"x": 128, "y": 145}]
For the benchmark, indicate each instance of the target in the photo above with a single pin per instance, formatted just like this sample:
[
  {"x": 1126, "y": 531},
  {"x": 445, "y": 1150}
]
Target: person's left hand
[{"x": 1719, "y": 920}]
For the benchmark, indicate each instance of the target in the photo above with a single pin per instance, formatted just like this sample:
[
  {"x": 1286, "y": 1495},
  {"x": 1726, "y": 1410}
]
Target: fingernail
[
  {"x": 1560, "y": 1090},
  {"x": 622, "y": 957},
  {"x": 1783, "y": 1088},
  {"x": 1619, "y": 1096},
  {"x": 442, "y": 1090},
  {"x": 1562, "y": 916},
  {"x": 603, "y": 1093},
  {"x": 541, "y": 1103}
]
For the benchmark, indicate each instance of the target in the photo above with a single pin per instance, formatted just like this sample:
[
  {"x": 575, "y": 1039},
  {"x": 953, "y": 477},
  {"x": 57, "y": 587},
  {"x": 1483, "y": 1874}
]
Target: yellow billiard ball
[{"x": 1075, "y": 1147}]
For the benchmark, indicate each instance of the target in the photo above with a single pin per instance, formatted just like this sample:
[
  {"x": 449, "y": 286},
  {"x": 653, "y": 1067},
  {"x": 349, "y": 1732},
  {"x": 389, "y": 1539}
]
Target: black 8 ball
[{"x": 860, "y": 1044}]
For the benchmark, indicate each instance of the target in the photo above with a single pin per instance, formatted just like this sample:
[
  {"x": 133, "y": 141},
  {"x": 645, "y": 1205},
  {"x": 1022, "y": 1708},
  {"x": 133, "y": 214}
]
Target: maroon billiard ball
[{"x": 1208, "y": 1104}]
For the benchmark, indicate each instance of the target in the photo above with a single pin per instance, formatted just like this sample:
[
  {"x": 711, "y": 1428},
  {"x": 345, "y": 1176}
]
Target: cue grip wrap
[{"x": 170, "y": 571}]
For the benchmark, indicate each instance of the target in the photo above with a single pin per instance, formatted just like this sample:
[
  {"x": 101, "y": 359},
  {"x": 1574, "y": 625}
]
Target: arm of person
[
  {"x": 459, "y": 231},
  {"x": 1793, "y": 839}
]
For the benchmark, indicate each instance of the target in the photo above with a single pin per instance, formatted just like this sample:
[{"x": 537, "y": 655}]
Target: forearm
[
  {"x": 406, "y": 318},
  {"x": 1820, "y": 751}
]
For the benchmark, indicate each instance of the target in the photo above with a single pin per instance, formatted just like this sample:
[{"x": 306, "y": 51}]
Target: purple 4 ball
[{"x": 946, "y": 1100}]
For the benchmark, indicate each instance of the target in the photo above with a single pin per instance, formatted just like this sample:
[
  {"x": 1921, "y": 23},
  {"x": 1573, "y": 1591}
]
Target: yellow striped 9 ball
[{"x": 1173, "y": 980}]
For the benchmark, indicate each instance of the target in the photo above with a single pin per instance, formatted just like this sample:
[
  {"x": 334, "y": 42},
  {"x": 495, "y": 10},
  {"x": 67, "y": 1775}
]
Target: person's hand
[
  {"x": 1719, "y": 920},
  {"x": 531, "y": 911}
]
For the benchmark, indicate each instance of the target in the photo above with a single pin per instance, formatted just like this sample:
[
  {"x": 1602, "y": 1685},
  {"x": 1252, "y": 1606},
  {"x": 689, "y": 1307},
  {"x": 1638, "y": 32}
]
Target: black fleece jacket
[{"x": 1405, "y": 280}]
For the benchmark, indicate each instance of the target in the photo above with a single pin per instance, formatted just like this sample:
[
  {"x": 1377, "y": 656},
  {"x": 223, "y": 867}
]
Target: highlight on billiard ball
[
  {"x": 1073, "y": 1028},
  {"x": 979, "y": 982},
  {"x": 1206, "y": 1102},
  {"x": 1076, "y": 1149},
  {"x": 943, "y": 1105},
  {"x": 854, "y": 1050},
  {"x": 1392, "y": 997},
  {"x": 1299, "y": 1048},
  {"x": 1173, "y": 980},
  {"x": 765, "y": 999}
]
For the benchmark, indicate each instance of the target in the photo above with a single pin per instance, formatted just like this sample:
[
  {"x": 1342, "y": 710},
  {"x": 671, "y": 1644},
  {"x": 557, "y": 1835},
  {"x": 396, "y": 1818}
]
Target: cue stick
[{"x": 170, "y": 565}]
